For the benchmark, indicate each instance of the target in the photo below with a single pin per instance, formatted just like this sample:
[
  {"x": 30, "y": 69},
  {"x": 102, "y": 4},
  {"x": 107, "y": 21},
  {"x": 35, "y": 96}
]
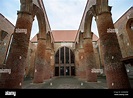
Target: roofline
[
  {"x": 7, "y": 19},
  {"x": 124, "y": 14},
  {"x": 62, "y": 30},
  {"x": 64, "y": 41},
  {"x": 56, "y": 42}
]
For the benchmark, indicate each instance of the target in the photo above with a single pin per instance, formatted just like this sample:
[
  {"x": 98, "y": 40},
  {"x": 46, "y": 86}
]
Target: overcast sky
[{"x": 63, "y": 14}]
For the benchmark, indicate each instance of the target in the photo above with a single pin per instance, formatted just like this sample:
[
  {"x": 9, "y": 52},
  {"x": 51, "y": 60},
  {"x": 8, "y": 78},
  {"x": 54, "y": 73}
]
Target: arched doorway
[{"x": 64, "y": 62}]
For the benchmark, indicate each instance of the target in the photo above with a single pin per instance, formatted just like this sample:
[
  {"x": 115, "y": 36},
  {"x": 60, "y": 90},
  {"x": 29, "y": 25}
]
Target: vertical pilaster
[
  {"x": 76, "y": 62},
  {"x": 47, "y": 68},
  {"x": 82, "y": 66},
  {"x": 52, "y": 63},
  {"x": 40, "y": 60},
  {"x": 90, "y": 61},
  {"x": 32, "y": 63}
]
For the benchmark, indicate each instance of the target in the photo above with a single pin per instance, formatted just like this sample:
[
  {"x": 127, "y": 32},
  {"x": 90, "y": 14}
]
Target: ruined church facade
[{"x": 50, "y": 54}]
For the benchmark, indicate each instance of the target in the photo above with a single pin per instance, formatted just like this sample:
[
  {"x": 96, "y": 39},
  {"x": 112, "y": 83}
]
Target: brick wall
[
  {"x": 5, "y": 27},
  {"x": 124, "y": 36}
]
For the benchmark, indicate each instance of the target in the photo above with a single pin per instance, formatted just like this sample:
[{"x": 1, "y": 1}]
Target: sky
[{"x": 63, "y": 14}]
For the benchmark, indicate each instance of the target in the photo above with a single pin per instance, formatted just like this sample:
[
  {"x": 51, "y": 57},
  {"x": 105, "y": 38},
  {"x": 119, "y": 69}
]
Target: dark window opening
[
  {"x": 73, "y": 71},
  {"x": 72, "y": 57},
  {"x": 56, "y": 71},
  {"x": 57, "y": 57},
  {"x": 62, "y": 56},
  {"x": 62, "y": 71},
  {"x": 67, "y": 71},
  {"x": 131, "y": 25},
  {"x": 67, "y": 55},
  {"x": 3, "y": 34}
]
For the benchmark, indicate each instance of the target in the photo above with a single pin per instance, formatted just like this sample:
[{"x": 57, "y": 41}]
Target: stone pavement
[
  {"x": 65, "y": 83},
  {"x": 68, "y": 83}
]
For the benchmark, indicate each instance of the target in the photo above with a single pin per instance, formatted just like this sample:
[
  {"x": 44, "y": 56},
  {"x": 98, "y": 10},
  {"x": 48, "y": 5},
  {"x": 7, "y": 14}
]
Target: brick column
[
  {"x": 40, "y": 61},
  {"x": 82, "y": 66},
  {"x": 16, "y": 58},
  {"x": 89, "y": 60},
  {"x": 76, "y": 53},
  {"x": 47, "y": 68},
  {"x": 76, "y": 62},
  {"x": 115, "y": 71},
  {"x": 32, "y": 63},
  {"x": 52, "y": 63}
]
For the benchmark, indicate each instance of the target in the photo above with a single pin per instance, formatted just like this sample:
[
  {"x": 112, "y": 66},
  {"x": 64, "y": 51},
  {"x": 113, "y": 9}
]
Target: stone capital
[
  {"x": 48, "y": 49},
  {"x": 26, "y": 15},
  {"x": 41, "y": 38},
  {"x": 96, "y": 10},
  {"x": 23, "y": 12},
  {"x": 87, "y": 38}
]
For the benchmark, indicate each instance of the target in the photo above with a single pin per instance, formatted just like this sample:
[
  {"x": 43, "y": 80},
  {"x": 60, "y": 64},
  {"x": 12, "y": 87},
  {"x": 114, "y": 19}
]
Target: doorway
[{"x": 64, "y": 62}]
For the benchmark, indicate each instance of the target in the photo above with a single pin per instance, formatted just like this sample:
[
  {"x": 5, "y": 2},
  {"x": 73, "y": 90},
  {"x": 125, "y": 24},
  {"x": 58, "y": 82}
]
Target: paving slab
[{"x": 65, "y": 83}]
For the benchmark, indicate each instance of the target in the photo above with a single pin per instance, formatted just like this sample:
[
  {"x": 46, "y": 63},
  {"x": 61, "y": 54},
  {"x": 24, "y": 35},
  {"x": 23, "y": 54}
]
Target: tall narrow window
[
  {"x": 9, "y": 46},
  {"x": 72, "y": 57},
  {"x": 131, "y": 25},
  {"x": 67, "y": 55},
  {"x": 62, "y": 56},
  {"x": 57, "y": 57}
]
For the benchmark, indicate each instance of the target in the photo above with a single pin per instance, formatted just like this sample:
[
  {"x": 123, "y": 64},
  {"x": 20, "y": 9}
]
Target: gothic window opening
[
  {"x": 3, "y": 34},
  {"x": 64, "y": 62},
  {"x": 131, "y": 25}
]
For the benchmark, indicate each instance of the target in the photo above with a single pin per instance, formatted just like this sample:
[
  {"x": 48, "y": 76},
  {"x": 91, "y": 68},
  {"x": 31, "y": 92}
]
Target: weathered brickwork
[
  {"x": 29, "y": 70},
  {"x": 89, "y": 60},
  {"x": 40, "y": 61},
  {"x": 81, "y": 69},
  {"x": 36, "y": 59},
  {"x": 6, "y": 29},
  {"x": 111, "y": 58},
  {"x": 124, "y": 27}
]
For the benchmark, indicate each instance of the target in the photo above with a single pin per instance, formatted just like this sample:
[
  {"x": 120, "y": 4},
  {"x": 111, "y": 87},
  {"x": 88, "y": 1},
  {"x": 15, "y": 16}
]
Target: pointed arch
[{"x": 64, "y": 62}]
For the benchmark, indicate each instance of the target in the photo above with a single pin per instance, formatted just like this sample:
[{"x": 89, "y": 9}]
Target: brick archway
[
  {"x": 19, "y": 47},
  {"x": 129, "y": 28},
  {"x": 115, "y": 71}
]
